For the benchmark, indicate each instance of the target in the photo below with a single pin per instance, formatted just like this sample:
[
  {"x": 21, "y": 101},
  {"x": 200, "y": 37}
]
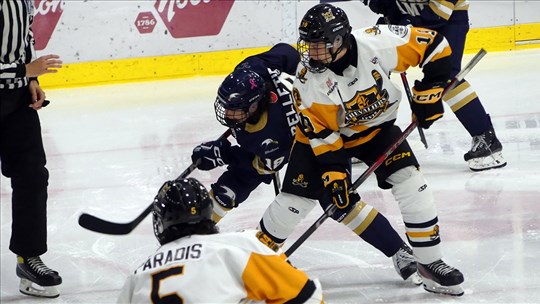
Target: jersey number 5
[{"x": 171, "y": 298}]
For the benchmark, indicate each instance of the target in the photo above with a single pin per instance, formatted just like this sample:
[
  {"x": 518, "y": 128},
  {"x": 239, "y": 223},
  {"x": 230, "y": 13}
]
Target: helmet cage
[
  {"x": 327, "y": 24},
  {"x": 238, "y": 98}
]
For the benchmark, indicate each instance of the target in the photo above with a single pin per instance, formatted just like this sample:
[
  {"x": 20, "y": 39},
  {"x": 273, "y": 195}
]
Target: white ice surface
[{"x": 111, "y": 147}]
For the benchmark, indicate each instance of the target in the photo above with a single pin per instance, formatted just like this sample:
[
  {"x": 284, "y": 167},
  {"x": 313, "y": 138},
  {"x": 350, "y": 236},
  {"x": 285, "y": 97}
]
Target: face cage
[
  {"x": 315, "y": 66},
  {"x": 221, "y": 112}
]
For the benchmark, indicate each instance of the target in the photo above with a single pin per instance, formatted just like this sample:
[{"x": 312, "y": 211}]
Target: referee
[{"x": 22, "y": 156}]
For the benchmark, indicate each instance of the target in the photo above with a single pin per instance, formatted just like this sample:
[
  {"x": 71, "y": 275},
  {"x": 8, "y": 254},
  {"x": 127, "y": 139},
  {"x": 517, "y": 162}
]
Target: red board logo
[
  {"x": 145, "y": 22},
  {"x": 192, "y": 18},
  {"x": 46, "y": 16}
]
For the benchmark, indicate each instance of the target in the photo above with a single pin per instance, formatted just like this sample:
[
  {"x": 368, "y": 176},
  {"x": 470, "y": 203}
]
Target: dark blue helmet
[
  {"x": 327, "y": 24},
  {"x": 179, "y": 208},
  {"x": 238, "y": 97}
]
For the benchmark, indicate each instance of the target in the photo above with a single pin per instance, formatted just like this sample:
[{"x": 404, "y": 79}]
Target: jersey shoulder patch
[{"x": 399, "y": 30}]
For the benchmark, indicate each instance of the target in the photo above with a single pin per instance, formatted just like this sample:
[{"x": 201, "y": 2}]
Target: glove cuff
[
  {"x": 329, "y": 177},
  {"x": 428, "y": 96}
]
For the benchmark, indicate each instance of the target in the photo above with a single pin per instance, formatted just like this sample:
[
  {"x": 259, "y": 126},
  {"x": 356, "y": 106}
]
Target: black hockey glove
[
  {"x": 427, "y": 102},
  {"x": 337, "y": 184},
  {"x": 211, "y": 154}
]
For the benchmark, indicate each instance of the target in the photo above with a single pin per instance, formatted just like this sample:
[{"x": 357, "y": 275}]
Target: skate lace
[
  {"x": 477, "y": 141},
  {"x": 404, "y": 257},
  {"x": 38, "y": 266},
  {"x": 440, "y": 267}
]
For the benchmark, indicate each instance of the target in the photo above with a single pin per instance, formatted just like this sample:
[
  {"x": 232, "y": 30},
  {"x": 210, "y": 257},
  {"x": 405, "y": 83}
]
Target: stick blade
[{"x": 96, "y": 224}]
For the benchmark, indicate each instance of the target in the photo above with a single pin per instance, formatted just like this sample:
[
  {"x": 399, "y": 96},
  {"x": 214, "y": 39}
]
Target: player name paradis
[{"x": 191, "y": 252}]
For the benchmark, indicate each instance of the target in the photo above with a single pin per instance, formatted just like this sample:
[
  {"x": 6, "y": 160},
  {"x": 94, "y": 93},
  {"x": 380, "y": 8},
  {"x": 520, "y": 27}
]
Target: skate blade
[
  {"x": 29, "y": 288},
  {"x": 453, "y": 290},
  {"x": 415, "y": 278},
  {"x": 493, "y": 161}
]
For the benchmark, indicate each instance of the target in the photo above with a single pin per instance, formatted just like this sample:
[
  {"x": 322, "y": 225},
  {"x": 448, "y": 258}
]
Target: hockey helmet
[
  {"x": 178, "y": 204},
  {"x": 323, "y": 23},
  {"x": 238, "y": 97}
]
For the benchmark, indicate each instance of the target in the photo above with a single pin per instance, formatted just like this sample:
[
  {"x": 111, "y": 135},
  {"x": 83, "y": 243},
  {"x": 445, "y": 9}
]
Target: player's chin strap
[
  {"x": 96, "y": 224},
  {"x": 332, "y": 208}
]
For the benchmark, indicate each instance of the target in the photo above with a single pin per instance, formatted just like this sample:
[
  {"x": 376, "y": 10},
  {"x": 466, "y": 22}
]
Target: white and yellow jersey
[
  {"x": 344, "y": 111},
  {"x": 218, "y": 268}
]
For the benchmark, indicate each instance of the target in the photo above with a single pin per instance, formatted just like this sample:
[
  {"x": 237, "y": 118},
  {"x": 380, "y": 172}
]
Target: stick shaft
[{"x": 97, "y": 224}]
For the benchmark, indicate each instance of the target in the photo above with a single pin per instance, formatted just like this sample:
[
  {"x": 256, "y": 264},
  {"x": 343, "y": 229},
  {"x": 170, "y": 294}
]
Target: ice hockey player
[
  {"x": 450, "y": 18},
  {"x": 255, "y": 101},
  {"x": 196, "y": 264},
  {"x": 348, "y": 106}
]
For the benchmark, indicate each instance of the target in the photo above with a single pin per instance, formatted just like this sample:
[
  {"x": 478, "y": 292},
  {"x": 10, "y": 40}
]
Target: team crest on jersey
[
  {"x": 399, "y": 30},
  {"x": 299, "y": 181},
  {"x": 269, "y": 145},
  {"x": 368, "y": 104},
  {"x": 373, "y": 30}
]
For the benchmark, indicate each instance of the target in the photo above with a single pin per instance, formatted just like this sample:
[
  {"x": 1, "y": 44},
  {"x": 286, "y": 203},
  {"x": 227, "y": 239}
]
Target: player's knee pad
[
  {"x": 283, "y": 214},
  {"x": 359, "y": 217},
  {"x": 413, "y": 194}
]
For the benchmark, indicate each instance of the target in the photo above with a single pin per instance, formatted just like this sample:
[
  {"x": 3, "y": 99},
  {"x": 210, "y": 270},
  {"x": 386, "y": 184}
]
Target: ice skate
[
  {"x": 37, "y": 279},
  {"x": 405, "y": 265},
  {"x": 486, "y": 152},
  {"x": 438, "y": 277}
]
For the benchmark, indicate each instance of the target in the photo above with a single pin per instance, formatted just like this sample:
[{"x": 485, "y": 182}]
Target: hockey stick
[
  {"x": 410, "y": 97},
  {"x": 332, "y": 208},
  {"x": 96, "y": 224},
  {"x": 277, "y": 182}
]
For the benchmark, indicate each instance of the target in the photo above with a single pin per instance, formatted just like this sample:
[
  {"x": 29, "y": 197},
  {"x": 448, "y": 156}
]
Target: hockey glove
[
  {"x": 336, "y": 183},
  {"x": 210, "y": 154},
  {"x": 427, "y": 102}
]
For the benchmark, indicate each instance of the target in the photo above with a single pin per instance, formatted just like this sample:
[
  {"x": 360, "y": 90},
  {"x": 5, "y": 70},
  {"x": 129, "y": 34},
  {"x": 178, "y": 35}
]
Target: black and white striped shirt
[{"x": 17, "y": 44}]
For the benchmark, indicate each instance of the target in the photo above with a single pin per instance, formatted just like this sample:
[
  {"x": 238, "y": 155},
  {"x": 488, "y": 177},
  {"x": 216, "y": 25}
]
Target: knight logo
[
  {"x": 190, "y": 18},
  {"x": 302, "y": 75},
  {"x": 368, "y": 104},
  {"x": 300, "y": 181},
  {"x": 435, "y": 235},
  {"x": 46, "y": 16}
]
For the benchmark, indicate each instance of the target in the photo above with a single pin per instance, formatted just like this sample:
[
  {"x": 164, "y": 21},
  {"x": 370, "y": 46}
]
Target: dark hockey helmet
[
  {"x": 323, "y": 23},
  {"x": 182, "y": 207},
  {"x": 238, "y": 98}
]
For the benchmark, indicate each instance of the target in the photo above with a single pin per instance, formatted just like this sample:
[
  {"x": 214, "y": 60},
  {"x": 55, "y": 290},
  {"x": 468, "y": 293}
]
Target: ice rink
[{"x": 111, "y": 147}]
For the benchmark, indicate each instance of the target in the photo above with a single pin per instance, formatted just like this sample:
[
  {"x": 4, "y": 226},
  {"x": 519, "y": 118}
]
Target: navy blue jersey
[
  {"x": 267, "y": 143},
  {"x": 448, "y": 17},
  {"x": 264, "y": 146},
  {"x": 432, "y": 14}
]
